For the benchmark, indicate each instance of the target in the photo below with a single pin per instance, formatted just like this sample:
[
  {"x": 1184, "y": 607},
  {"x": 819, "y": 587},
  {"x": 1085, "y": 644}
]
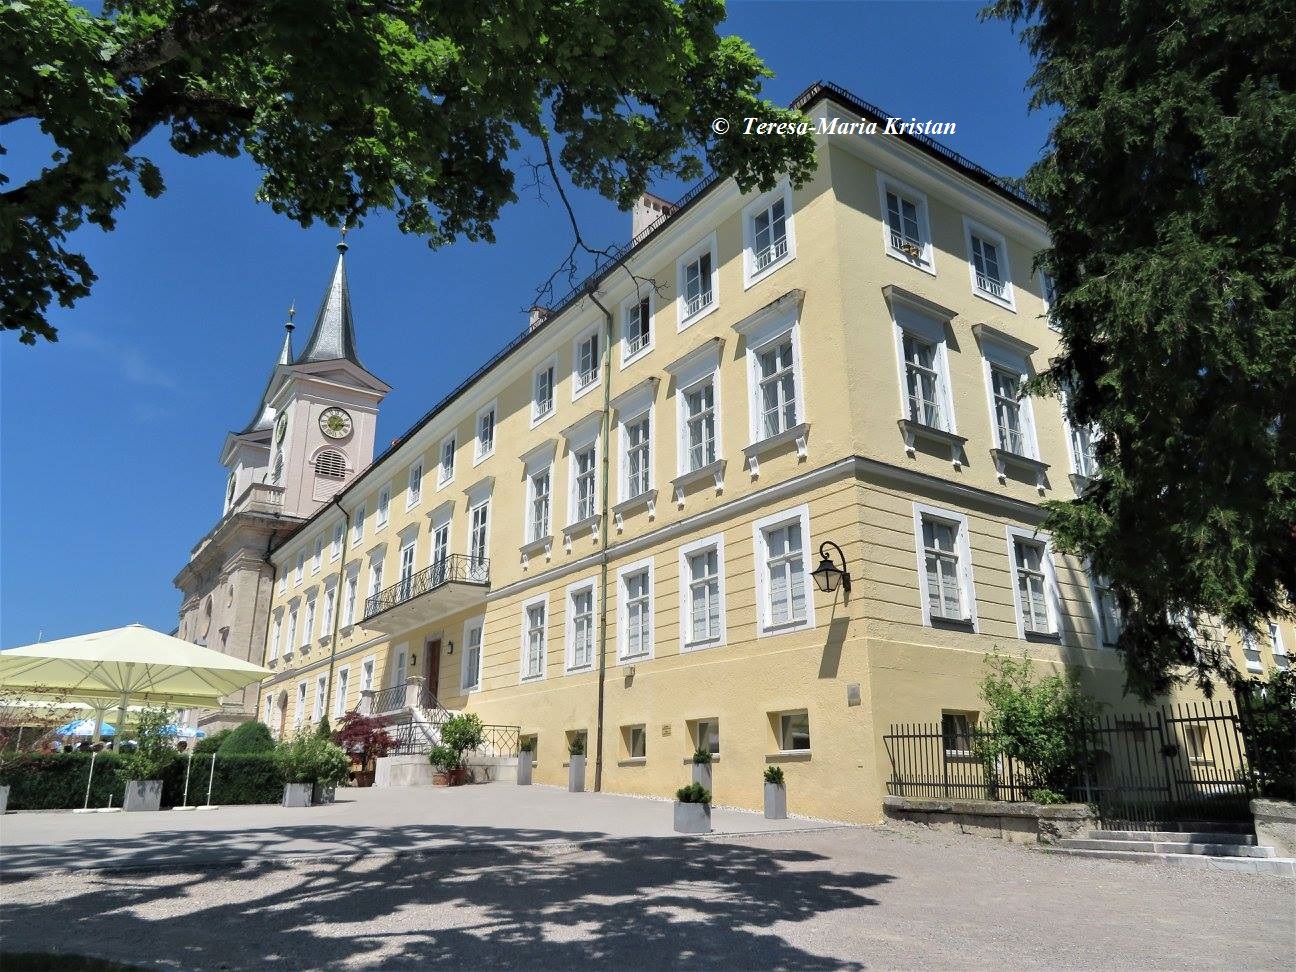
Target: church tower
[{"x": 311, "y": 433}]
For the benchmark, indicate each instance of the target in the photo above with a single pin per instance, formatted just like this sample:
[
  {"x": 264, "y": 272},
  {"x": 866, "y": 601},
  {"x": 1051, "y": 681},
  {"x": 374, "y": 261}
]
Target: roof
[{"x": 333, "y": 336}]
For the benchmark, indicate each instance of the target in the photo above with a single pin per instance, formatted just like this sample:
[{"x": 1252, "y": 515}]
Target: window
[
  {"x": 533, "y": 638},
  {"x": 283, "y": 580},
  {"x": 1005, "y": 391},
  {"x": 956, "y": 732},
  {"x": 367, "y": 675},
  {"x": 1110, "y": 622},
  {"x": 269, "y": 710},
  {"x": 276, "y": 478},
  {"x": 636, "y": 623},
  {"x": 440, "y": 550},
  {"x": 542, "y": 402},
  {"x": 702, "y": 593},
  {"x": 636, "y": 742},
  {"x": 407, "y": 569},
  {"x": 782, "y": 600},
  {"x": 776, "y": 388},
  {"x": 706, "y": 735},
  {"x": 308, "y": 630},
  {"x": 384, "y": 507},
  {"x": 905, "y": 231},
  {"x": 586, "y": 362},
  {"x": 987, "y": 253},
  {"x": 1006, "y": 367},
  {"x": 794, "y": 731},
  {"x": 485, "y": 432},
  {"x": 335, "y": 549},
  {"x": 1048, "y": 292},
  {"x": 923, "y": 382},
  {"x": 375, "y": 576},
  {"x": 330, "y": 464},
  {"x": 636, "y": 327},
  {"x": 1276, "y": 646},
  {"x": 538, "y": 519},
  {"x": 447, "y": 468},
  {"x": 697, "y": 282},
  {"x": 401, "y": 667},
  {"x": 276, "y": 633},
  {"x": 944, "y": 564},
  {"x": 292, "y": 628},
  {"x": 1030, "y": 563},
  {"x": 321, "y": 689},
  {"x": 636, "y": 438},
  {"x": 700, "y": 425},
  {"x": 1251, "y": 651},
  {"x": 1197, "y": 744},
  {"x": 415, "y": 491},
  {"x": 470, "y": 676},
  {"x": 1082, "y": 438},
  {"x": 478, "y": 521},
  {"x": 301, "y": 567},
  {"x": 584, "y": 483},
  {"x": 767, "y": 234},
  {"x": 352, "y": 589},
  {"x": 317, "y": 560},
  {"x": 340, "y": 698},
  {"x": 580, "y": 626},
  {"x": 357, "y": 525},
  {"x": 299, "y": 708}
]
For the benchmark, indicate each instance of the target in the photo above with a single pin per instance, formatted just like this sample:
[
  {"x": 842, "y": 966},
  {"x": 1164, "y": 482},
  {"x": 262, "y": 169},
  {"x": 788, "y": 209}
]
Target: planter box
[
  {"x": 321, "y": 795},
  {"x": 702, "y": 774},
  {"x": 692, "y": 818},
  {"x": 526, "y": 762},
  {"x": 775, "y": 801},
  {"x": 576, "y": 775},
  {"x": 143, "y": 795},
  {"x": 4, "y": 798},
  {"x": 297, "y": 794},
  {"x": 455, "y": 777}
]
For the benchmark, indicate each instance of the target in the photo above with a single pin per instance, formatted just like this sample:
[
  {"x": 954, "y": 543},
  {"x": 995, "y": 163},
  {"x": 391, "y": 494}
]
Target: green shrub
[
  {"x": 153, "y": 752},
  {"x": 774, "y": 774},
  {"x": 577, "y": 746},
  {"x": 1046, "y": 796},
  {"x": 1267, "y": 708},
  {"x": 324, "y": 730},
  {"x": 240, "y": 779},
  {"x": 527, "y": 745},
  {"x": 701, "y": 756},
  {"x": 693, "y": 793},
  {"x": 249, "y": 737},
  {"x": 444, "y": 758},
  {"x": 463, "y": 732},
  {"x": 212, "y": 743},
  {"x": 310, "y": 758}
]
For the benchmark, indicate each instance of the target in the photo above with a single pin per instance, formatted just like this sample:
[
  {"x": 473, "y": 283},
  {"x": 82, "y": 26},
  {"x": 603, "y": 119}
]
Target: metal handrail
[
  {"x": 456, "y": 568},
  {"x": 415, "y": 737}
]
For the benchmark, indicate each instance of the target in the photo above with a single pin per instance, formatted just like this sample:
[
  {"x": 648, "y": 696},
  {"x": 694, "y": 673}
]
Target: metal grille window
[
  {"x": 1006, "y": 387},
  {"x": 699, "y": 421},
  {"x": 486, "y": 433},
  {"x": 538, "y": 525},
  {"x": 922, "y": 382},
  {"x": 704, "y": 596},
  {"x": 637, "y": 457},
  {"x": 544, "y": 392},
  {"x": 697, "y": 285},
  {"x": 582, "y": 630},
  {"x": 769, "y": 235},
  {"x": 587, "y": 361},
  {"x": 1032, "y": 586},
  {"x": 902, "y": 220},
  {"x": 535, "y": 640},
  {"x": 637, "y": 325},
  {"x": 777, "y": 389},
  {"x": 794, "y": 731},
  {"x": 638, "y": 609},
  {"x": 477, "y": 532},
  {"x": 956, "y": 733},
  {"x": 472, "y": 657},
  {"x": 942, "y": 568},
  {"x": 785, "y": 575},
  {"x": 985, "y": 259},
  {"x": 585, "y": 476},
  {"x": 330, "y": 464}
]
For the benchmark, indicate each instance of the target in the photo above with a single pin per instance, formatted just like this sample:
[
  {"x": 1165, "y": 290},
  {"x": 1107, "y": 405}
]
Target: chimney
[
  {"x": 647, "y": 210},
  {"x": 538, "y": 316}
]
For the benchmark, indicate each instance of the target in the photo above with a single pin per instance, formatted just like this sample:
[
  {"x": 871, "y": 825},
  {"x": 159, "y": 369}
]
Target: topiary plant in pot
[
  {"x": 702, "y": 772},
  {"x": 576, "y": 764},
  {"x": 460, "y": 733},
  {"x": 311, "y": 767},
  {"x": 775, "y": 794},
  {"x": 143, "y": 767},
  {"x": 693, "y": 809},
  {"x": 445, "y": 765}
]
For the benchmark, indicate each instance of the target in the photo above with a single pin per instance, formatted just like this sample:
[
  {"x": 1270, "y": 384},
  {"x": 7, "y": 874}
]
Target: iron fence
[
  {"x": 415, "y": 737},
  {"x": 455, "y": 568},
  {"x": 1165, "y": 766}
]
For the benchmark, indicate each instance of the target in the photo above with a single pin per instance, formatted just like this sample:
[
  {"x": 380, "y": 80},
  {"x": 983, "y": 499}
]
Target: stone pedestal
[
  {"x": 775, "y": 801},
  {"x": 692, "y": 818},
  {"x": 526, "y": 762},
  {"x": 576, "y": 774},
  {"x": 702, "y": 774},
  {"x": 143, "y": 795}
]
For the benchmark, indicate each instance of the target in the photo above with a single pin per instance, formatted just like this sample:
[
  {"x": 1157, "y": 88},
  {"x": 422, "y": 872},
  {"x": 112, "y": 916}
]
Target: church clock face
[
  {"x": 281, "y": 428},
  {"x": 335, "y": 423}
]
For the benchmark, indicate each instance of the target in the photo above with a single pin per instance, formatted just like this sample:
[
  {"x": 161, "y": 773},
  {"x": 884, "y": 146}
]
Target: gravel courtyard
[{"x": 848, "y": 897}]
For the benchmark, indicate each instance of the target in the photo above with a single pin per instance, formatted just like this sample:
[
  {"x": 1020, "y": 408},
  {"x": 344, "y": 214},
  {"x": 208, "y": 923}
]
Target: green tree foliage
[
  {"x": 693, "y": 793},
  {"x": 248, "y": 737},
  {"x": 1032, "y": 720},
  {"x": 1268, "y": 712},
  {"x": 350, "y": 106},
  {"x": 211, "y": 744},
  {"x": 310, "y": 758},
  {"x": 1168, "y": 184},
  {"x": 153, "y": 751}
]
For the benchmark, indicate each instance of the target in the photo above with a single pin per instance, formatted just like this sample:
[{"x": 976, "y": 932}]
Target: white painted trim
[
  {"x": 995, "y": 352},
  {"x": 751, "y": 277},
  {"x": 550, "y": 362},
  {"x": 926, "y": 262},
  {"x": 967, "y": 584},
  {"x": 706, "y": 245},
  {"x": 480, "y": 455},
  {"x": 624, "y": 418},
  {"x": 414, "y": 478},
  {"x": 569, "y": 625},
  {"x": 970, "y": 227},
  {"x": 479, "y": 622},
  {"x": 904, "y": 318},
  {"x": 681, "y": 424},
  {"x": 340, "y": 690},
  {"x": 760, "y": 554},
  {"x": 716, "y": 540},
  {"x": 627, "y": 357},
  {"x": 1052, "y": 594},
  {"x": 453, "y": 441},
  {"x": 594, "y": 330},
  {"x": 623, "y": 623},
  {"x": 759, "y": 339},
  {"x": 543, "y": 600}
]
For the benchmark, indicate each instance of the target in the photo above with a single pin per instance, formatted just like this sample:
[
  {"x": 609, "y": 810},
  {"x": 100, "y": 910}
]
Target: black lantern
[{"x": 828, "y": 576}]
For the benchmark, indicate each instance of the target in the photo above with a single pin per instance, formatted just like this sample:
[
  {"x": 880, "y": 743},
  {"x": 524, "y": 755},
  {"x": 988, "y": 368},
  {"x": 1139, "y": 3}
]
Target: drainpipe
[
  {"x": 337, "y": 602},
  {"x": 605, "y": 433}
]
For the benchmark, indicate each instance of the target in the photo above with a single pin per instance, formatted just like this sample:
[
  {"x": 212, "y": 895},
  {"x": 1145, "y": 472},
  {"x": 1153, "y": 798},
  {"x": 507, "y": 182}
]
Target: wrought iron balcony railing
[{"x": 456, "y": 568}]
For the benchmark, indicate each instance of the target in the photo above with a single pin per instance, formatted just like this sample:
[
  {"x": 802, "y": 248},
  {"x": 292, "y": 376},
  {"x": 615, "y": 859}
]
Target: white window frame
[
  {"x": 593, "y": 332},
  {"x": 352, "y": 596},
  {"x": 317, "y": 555},
  {"x": 1096, "y": 588},
  {"x": 1251, "y": 652},
  {"x": 283, "y": 578},
  {"x": 269, "y": 712},
  {"x": 368, "y": 669},
  {"x": 382, "y": 513},
  {"x": 926, "y": 258},
  {"x": 967, "y": 582},
  {"x": 308, "y": 629},
  {"x": 400, "y": 670},
  {"x": 441, "y": 519},
  {"x": 300, "y": 572},
  {"x": 446, "y": 476},
  {"x": 716, "y": 541},
  {"x": 683, "y": 318},
  {"x": 375, "y": 576},
  {"x": 781, "y": 730},
  {"x": 930, "y": 329},
  {"x": 290, "y": 643},
  {"x": 330, "y": 609},
  {"x": 542, "y": 601},
  {"x": 625, "y": 419},
  {"x": 1276, "y": 646},
  {"x": 758, "y": 340},
  {"x": 276, "y": 634},
  {"x": 471, "y": 625},
  {"x": 586, "y": 443},
  {"x": 623, "y": 612},
  {"x": 299, "y": 704},
  {"x": 339, "y": 533},
  {"x": 590, "y": 586},
  {"x": 486, "y": 525},
  {"x": 414, "y": 487},
  {"x": 995, "y": 355},
  {"x": 765, "y": 626},
  {"x": 713, "y": 378},
  {"x": 340, "y": 688},
  {"x": 629, "y": 305},
  {"x": 1048, "y": 296},
  {"x": 970, "y": 228},
  {"x": 357, "y": 524},
  {"x": 628, "y": 733},
  {"x": 530, "y": 531},
  {"x": 1052, "y": 591},
  {"x": 1073, "y": 431},
  {"x": 481, "y": 450},
  {"x": 321, "y": 702},
  {"x": 538, "y": 416},
  {"x": 763, "y": 203}
]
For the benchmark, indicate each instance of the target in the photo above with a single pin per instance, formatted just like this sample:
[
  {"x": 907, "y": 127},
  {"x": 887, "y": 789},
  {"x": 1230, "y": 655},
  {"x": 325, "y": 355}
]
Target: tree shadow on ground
[{"x": 658, "y": 903}]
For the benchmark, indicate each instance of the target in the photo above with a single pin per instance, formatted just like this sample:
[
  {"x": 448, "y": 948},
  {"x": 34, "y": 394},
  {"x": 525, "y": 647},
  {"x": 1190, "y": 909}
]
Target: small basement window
[{"x": 794, "y": 731}]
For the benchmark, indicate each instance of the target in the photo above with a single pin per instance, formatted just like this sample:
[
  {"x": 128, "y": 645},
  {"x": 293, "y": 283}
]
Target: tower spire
[
  {"x": 333, "y": 336},
  {"x": 285, "y": 356}
]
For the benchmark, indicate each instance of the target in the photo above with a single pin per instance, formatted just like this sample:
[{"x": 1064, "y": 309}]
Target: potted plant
[
  {"x": 775, "y": 794},
  {"x": 446, "y": 770},
  {"x": 576, "y": 765},
  {"x": 693, "y": 809},
  {"x": 143, "y": 766},
  {"x": 312, "y": 767},
  {"x": 365, "y": 739},
  {"x": 460, "y": 733},
  {"x": 526, "y": 761},
  {"x": 702, "y": 767}
]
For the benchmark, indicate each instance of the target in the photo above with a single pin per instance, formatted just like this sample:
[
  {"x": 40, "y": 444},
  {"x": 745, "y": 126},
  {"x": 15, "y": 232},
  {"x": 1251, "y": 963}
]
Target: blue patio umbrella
[
  {"x": 184, "y": 732},
  {"x": 83, "y": 727}
]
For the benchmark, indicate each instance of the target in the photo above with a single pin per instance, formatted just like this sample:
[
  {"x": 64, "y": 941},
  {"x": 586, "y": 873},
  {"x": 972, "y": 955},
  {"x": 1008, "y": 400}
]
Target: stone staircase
[{"x": 1199, "y": 848}]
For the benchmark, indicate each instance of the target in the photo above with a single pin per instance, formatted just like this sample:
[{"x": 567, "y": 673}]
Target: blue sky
[{"x": 110, "y": 438}]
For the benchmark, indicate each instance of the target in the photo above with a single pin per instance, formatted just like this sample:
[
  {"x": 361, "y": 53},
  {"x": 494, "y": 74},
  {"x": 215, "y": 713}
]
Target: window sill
[
  {"x": 636, "y": 355},
  {"x": 918, "y": 263},
  {"x": 798, "y": 434},
  {"x": 633, "y": 761},
  {"x": 573, "y": 530},
  {"x": 756, "y": 276},
  {"x": 525, "y": 679},
  {"x": 687, "y": 321},
  {"x": 1003, "y": 459},
  {"x": 688, "y": 646},
  {"x": 629, "y": 661},
  {"x": 478, "y": 460},
  {"x": 715, "y": 758},
  {"x": 953, "y": 624},
  {"x": 646, "y": 500},
  {"x": 1079, "y": 483},
  {"x": 542, "y": 417},
  {"x": 714, "y": 471},
  {"x": 583, "y": 390},
  {"x": 579, "y": 669},
  {"x": 1006, "y": 303},
  {"x": 1045, "y": 637},
  {"x": 913, "y": 431},
  {"x": 541, "y": 545},
  {"x": 789, "y": 756}
]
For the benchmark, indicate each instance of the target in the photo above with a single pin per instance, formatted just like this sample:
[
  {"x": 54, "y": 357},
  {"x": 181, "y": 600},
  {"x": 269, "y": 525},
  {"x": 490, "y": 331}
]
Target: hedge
[{"x": 58, "y": 781}]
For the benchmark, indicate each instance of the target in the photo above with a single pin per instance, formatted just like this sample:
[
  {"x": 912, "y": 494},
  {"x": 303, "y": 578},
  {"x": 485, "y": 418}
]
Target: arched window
[
  {"x": 330, "y": 464},
  {"x": 277, "y": 477}
]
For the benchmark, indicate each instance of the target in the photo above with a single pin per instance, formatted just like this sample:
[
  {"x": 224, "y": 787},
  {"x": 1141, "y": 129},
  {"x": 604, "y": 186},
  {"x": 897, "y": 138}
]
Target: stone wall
[
  {"x": 1275, "y": 825},
  {"x": 1023, "y": 823}
]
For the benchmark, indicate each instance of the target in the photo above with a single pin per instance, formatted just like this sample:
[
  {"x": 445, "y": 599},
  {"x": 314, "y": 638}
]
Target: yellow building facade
[{"x": 609, "y": 529}]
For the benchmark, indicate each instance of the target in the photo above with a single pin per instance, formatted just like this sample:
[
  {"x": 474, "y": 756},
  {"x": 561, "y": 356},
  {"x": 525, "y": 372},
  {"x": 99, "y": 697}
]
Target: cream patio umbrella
[{"x": 126, "y": 666}]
